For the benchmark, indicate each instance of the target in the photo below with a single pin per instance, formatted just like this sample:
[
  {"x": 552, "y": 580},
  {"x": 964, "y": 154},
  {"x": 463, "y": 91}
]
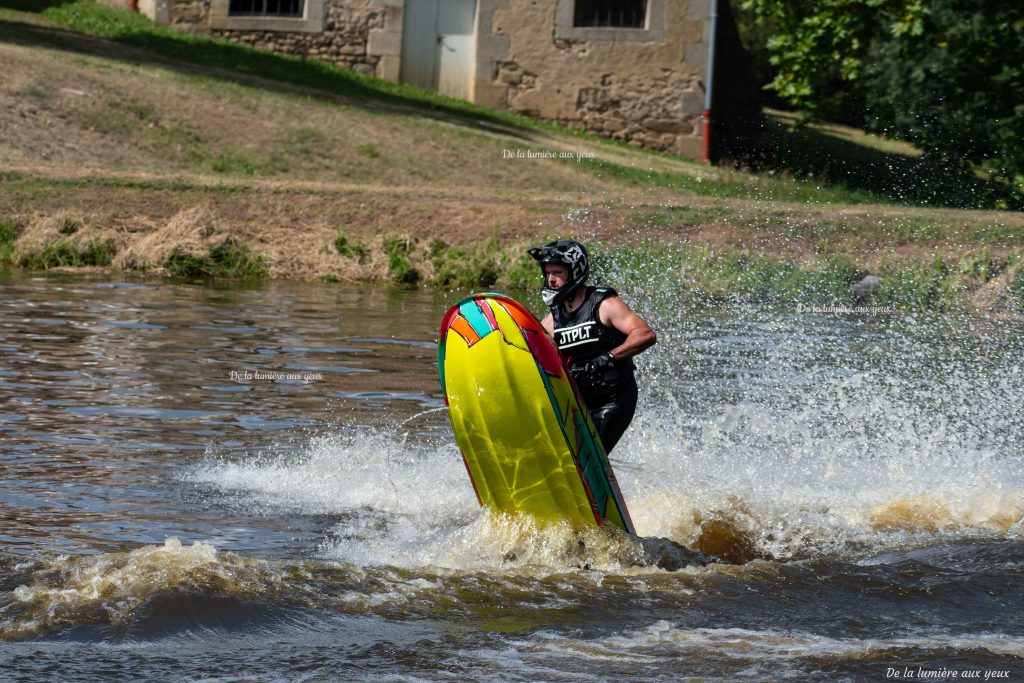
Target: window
[
  {"x": 611, "y": 13},
  {"x": 293, "y": 16},
  {"x": 624, "y": 21},
  {"x": 266, "y": 8}
]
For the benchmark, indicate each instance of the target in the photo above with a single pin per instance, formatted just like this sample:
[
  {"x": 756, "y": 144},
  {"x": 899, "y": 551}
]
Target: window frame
[
  {"x": 565, "y": 16},
  {"x": 645, "y": 4},
  {"x": 266, "y": 14},
  {"x": 312, "y": 20}
]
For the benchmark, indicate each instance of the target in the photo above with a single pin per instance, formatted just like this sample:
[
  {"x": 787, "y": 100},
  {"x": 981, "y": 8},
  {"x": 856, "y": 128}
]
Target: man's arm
[
  {"x": 639, "y": 336},
  {"x": 548, "y": 323}
]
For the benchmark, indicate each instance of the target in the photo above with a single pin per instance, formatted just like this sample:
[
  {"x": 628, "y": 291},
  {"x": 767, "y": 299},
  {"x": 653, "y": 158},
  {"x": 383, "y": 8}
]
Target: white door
[
  {"x": 437, "y": 45},
  {"x": 419, "y": 43},
  {"x": 455, "y": 47}
]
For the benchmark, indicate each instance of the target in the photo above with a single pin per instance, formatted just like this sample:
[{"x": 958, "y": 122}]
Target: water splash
[
  {"x": 775, "y": 432},
  {"x": 110, "y": 588}
]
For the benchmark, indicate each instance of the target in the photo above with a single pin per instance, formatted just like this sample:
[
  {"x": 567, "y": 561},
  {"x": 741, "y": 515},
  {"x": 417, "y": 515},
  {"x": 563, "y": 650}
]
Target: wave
[{"x": 782, "y": 644}]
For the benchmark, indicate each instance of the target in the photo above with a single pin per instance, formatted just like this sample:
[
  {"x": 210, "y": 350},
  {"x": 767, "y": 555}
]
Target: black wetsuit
[{"x": 581, "y": 336}]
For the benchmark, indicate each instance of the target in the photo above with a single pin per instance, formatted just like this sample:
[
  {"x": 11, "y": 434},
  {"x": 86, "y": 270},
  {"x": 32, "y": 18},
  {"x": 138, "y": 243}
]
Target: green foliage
[
  {"x": 943, "y": 74},
  {"x": 729, "y": 275},
  {"x": 63, "y": 254},
  {"x": 919, "y": 285},
  {"x": 350, "y": 248},
  {"x": 521, "y": 272},
  {"x": 938, "y": 283},
  {"x": 953, "y": 86},
  {"x": 754, "y": 278},
  {"x": 813, "y": 43},
  {"x": 68, "y": 226},
  {"x": 400, "y": 266},
  {"x": 484, "y": 266},
  {"x": 1014, "y": 294},
  {"x": 475, "y": 267},
  {"x": 228, "y": 259},
  {"x": 9, "y": 232},
  {"x": 370, "y": 149}
]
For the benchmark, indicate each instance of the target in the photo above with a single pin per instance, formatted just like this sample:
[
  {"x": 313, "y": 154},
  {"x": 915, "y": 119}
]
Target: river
[{"x": 225, "y": 483}]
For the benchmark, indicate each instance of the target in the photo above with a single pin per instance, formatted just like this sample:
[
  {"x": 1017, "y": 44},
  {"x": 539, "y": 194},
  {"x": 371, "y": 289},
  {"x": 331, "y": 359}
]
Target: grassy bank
[
  {"x": 978, "y": 279},
  {"x": 246, "y": 77},
  {"x": 972, "y": 280},
  {"x": 143, "y": 149}
]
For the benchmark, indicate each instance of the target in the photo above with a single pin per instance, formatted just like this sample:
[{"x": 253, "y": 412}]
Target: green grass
[
  {"x": 938, "y": 283},
  {"x": 350, "y": 247},
  {"x": 228, "y": 259},
  {"x": 9, "y": 232},
  {"x": 400, "y": 267},
  {"x": 48, "y": 187},
  {"x": 483, "y": 266},
  {"x": 664, "y": 276},
  {"x": 63, "y": 254},
  {"x": 474, "y": 267},
  {"x": 754, "y": 278},
  {"x": 1013, "y": 296},
  {"x": 241, "y": 163},
  {"x": 119, "y": 117},
  {"x": 740, "y": 186},
  {"x": 68, "y": 226},
  {"x": 709, "y": 277},
  {"x": 706, "y": 276},
  {"x": 892, "y": 230},
  {"x": 370, "y": 150}
]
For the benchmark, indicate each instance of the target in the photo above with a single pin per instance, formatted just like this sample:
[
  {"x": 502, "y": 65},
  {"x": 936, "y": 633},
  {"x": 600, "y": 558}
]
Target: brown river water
[{"x": 214, "y": 483}]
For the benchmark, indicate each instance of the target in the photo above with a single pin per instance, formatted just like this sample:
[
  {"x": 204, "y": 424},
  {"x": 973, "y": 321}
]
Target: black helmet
[{"x": 566, "y": 253}]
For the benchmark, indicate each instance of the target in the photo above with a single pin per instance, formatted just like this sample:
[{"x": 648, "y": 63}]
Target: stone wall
[
  {"x": 190, "y": 14},
  {"x": 643, "y": 86},
  {"x": 639, "y": 86},
  {"x": 343, "y": 40}
]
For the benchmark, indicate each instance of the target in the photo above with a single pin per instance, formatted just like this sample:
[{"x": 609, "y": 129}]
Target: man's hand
[
  {"x": 598, "y": 366},
  {"x": 591, "y": 372}
]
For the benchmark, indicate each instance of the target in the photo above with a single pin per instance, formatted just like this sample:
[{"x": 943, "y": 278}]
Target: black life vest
[{"x": 581, "y": 335}]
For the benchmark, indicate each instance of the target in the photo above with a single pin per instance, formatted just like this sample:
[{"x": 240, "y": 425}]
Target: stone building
[{"x": 631, "y": 70}]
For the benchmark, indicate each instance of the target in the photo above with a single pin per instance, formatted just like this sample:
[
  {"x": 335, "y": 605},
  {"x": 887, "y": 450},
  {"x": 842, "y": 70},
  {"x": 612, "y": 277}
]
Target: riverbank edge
[{"x": 195, "y": 246}]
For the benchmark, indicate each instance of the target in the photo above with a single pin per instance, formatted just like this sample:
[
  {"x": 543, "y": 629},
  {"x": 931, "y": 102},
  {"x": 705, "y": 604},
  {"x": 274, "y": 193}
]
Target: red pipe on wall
[{"x": 712, "y": 31}]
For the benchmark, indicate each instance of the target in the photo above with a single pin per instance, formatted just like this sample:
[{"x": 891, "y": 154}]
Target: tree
[{"x": 947, "y": 75}]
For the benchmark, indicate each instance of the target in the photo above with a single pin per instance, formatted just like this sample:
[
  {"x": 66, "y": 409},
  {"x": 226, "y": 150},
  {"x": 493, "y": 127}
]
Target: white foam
[
  {"x": 361, "y": 471},
  {"x": 819, "y": 457},
  {"x": 404, "y": 505},
  {"x": 665, "y": 641}
]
